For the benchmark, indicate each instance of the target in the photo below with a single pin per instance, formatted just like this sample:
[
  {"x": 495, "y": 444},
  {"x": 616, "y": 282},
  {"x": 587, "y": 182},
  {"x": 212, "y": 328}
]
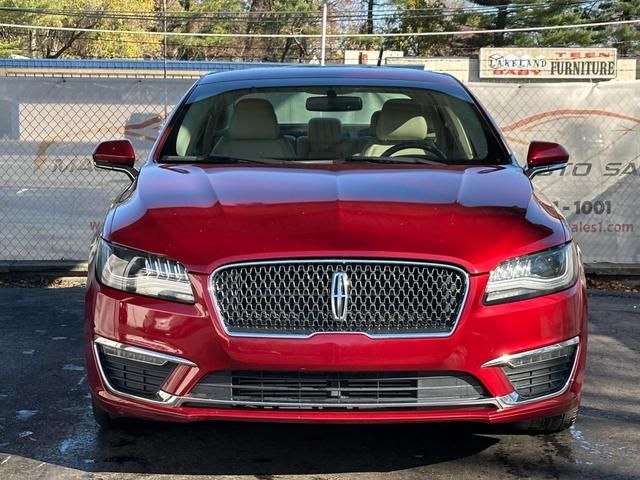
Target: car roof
[{"x": 323, "y": 74}]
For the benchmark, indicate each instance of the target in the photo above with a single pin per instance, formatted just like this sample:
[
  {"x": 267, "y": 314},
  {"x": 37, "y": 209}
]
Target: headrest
[
  {"x": 373, "y": 123},
  {"x": 402, "y": 120},
  {"x": 325, "y": 130},
  {"x": 253, "y": 119}
]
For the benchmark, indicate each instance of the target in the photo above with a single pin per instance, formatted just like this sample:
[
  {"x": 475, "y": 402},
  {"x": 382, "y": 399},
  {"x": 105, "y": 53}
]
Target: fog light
[
  {"x": 136, "y": 354},
  {"x": 131, "y": 355}
]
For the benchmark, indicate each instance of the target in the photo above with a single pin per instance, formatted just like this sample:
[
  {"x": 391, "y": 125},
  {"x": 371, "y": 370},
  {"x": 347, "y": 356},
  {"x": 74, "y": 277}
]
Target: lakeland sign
[{"x": 548, "y": 63}]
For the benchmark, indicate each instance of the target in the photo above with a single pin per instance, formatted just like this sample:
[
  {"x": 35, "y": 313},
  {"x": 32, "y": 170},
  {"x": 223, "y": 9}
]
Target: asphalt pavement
[{"x": 47, "y": 431}]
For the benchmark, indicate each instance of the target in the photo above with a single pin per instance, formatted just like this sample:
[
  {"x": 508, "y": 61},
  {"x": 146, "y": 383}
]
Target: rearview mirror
[
  {"x": 334, "y": 103},
  {"x": 117, "y": 155},
  {"x": 545, "y": 157}
]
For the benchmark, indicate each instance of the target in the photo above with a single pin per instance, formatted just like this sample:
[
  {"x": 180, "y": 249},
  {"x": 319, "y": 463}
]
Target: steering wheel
[{"x": 424, "y": 145}]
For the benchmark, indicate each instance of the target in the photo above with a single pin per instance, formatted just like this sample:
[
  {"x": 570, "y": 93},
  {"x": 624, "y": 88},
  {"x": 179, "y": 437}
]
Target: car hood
[{"x": 204, "y": 216}]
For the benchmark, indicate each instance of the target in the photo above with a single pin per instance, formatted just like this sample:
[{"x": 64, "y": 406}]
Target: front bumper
[{"x": 196, "y": 338}]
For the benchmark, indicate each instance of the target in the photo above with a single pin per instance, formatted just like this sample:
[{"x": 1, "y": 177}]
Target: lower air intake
[
  {"x": 337, "y": 390},
  {"x": 132, "y": 376},
  {"x": 541, "y": 374}
]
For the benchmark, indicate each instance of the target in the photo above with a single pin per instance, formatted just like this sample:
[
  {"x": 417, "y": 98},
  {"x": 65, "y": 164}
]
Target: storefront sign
[{"x": 559, "y": 63}]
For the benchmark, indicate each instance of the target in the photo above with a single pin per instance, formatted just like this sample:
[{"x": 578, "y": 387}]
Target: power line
[
  {"x": 158, "y": 43},
  {"x": 332, "y": 35}
]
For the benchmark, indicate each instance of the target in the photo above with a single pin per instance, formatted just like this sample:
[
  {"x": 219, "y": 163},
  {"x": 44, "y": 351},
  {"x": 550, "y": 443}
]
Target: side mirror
[
  {"x": 117, "y": 155},
  {"x": 545, "y": 157}
]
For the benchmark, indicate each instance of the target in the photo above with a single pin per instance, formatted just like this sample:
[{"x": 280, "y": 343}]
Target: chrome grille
[
  {"x": 337, "y": 389},
  {"x": 294, "y": 297}
]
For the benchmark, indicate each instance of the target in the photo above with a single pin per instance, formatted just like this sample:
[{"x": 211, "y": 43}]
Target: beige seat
[
  {"x": 367, "y": 135},
  {"x": 324, "y": 140},
  {"x": 254, "y": 132},
  {"x": 400, "y": 121},
  {"x": 373, "y": 123}
]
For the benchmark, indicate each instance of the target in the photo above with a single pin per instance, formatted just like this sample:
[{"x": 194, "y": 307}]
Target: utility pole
[
  {"x": 164, "y": 37},
  {"x": 164, "y": 53},
  {"x": 324, "y": 31}
]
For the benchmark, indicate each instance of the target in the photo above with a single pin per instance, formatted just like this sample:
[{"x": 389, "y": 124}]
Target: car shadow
[
  {"x": 259, "y": 449},
  {"x": 265, "y": 450}
]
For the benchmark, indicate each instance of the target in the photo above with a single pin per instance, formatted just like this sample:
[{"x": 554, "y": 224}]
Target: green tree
[
  {"x": 290, "y": 17},
  {"x": 86, "y": 14},
  {"x": 279, "y": 17},
  {"x": 205, "y": 16},
  {"x": 556, "y": 12},
  {"x": 505, "y": 14},
  {"x": 424, "y": 16}
]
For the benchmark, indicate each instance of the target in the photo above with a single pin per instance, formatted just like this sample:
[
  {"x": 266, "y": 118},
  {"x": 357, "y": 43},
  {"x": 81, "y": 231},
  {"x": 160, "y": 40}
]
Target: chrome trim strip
[
  {"x": 506, "y": 359},
  {"x": 219, "y": 316},
  {"x": 170, "y": 400},
  {"x": 513, "y": 399},
  {"x": 130, "y": 172},
  {"x": 303, "y": 405},
  {"x": 143, "y": 351},
  {"x": 532, "y": 172}
]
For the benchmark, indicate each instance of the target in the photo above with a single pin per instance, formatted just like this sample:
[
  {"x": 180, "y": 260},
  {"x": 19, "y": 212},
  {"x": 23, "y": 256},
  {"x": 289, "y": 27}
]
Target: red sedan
[{"x": 315, "y": 244}]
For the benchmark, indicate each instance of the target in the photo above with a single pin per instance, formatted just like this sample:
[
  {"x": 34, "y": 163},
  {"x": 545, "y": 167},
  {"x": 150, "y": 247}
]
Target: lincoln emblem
[{"x": 339, "y": 296}]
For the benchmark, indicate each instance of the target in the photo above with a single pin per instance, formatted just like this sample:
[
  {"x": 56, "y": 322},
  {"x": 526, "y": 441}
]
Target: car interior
[
  {"x": 303, "y": 126},
  {"x": 254, "y": 128}
]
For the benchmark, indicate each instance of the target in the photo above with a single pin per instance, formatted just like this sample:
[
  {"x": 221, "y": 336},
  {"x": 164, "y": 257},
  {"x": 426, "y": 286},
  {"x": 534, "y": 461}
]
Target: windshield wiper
[
  {"x": 228, "y": 159},
  {"x": 222, "y": 159},
  {"x": 411, "y": 160},
  {"x": 180, "y": 159}
]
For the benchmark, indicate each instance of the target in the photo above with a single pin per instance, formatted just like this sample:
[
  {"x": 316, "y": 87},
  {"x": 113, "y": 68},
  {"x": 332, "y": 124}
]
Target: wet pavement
[{"x": 47, "y": 432}]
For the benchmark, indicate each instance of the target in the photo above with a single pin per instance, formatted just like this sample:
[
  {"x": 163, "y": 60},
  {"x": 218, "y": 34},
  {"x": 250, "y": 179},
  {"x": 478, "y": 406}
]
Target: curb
[
  {"x": 613, "y": 269},
  {"x": 43, "y": 266}
]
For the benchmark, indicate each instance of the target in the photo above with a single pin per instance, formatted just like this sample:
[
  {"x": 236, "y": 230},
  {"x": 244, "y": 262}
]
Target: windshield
[{"x": 332, "y": 124}]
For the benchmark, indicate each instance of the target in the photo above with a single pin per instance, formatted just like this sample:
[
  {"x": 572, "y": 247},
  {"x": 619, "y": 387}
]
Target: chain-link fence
[
  {"x": 599, "y": 124},
  {"x": 52, "y": 199}
]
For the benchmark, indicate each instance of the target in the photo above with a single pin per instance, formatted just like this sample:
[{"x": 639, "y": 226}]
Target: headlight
[
  {"x": 533, "y": 275},
  {"x": 142, "y": 273}
]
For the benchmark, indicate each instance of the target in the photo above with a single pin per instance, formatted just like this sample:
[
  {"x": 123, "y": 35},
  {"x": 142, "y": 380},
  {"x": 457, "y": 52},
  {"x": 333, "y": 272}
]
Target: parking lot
[{"x": 46, "y": 428}]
